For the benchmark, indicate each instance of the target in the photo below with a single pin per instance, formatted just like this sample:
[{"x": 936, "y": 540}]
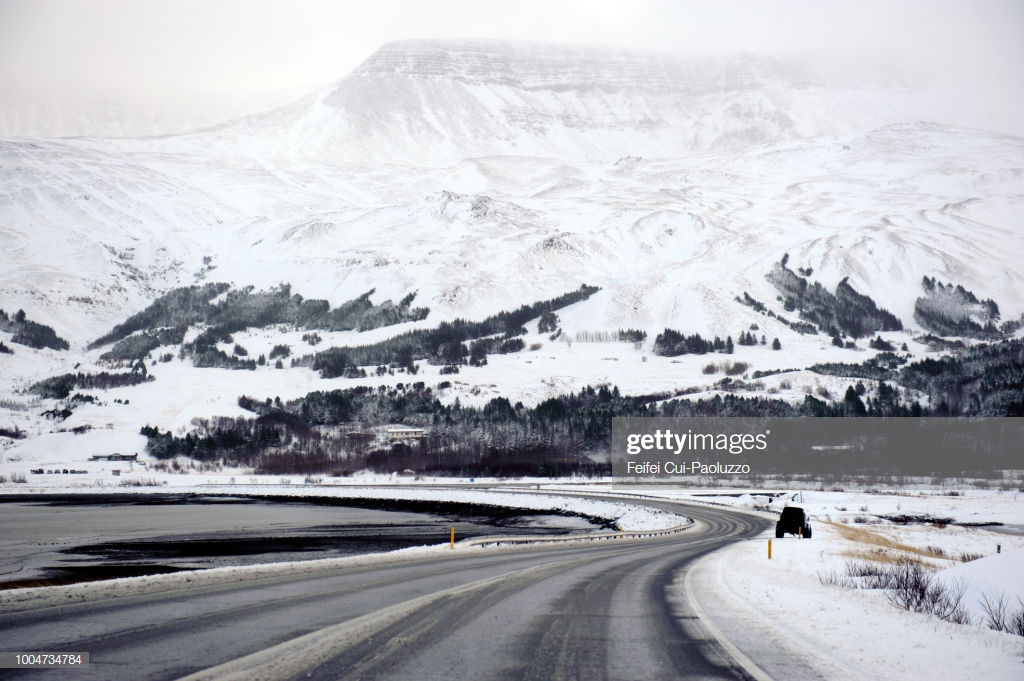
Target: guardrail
[
  {"x": 596, "y": 536},
  {"x": 636, "y": 495}
]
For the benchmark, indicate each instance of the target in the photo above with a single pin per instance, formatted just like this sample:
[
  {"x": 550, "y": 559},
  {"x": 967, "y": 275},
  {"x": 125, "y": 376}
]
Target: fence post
[{"x": 769, "y": 549}]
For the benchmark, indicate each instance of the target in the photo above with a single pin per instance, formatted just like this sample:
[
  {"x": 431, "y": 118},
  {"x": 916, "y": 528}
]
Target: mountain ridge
[
  {"x": 478, "y": 192},
  {"x": 429, "y": 101}
]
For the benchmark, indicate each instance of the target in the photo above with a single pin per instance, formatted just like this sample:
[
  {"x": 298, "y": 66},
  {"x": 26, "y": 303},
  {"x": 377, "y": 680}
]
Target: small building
[
  {"x": 404, "y": 433},
  {"x": 114, "y": 457}
]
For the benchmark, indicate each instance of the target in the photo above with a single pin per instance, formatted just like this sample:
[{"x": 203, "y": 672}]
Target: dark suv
[{"x": 793, "y": 520}]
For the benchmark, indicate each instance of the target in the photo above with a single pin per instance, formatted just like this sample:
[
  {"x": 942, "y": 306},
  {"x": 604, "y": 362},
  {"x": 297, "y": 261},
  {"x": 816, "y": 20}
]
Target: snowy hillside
[
  {"x": 485, "y": 176},
  {"x": 92, "y": 232}
]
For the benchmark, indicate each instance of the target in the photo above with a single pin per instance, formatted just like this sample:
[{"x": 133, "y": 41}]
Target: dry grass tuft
[{"x": 860, "y": 535}]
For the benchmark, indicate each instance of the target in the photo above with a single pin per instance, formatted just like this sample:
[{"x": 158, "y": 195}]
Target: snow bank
[
  {"x": 989, "y": 578},
  {"x": 784, "y": 613},
  {"x": 37, "y": 597}
]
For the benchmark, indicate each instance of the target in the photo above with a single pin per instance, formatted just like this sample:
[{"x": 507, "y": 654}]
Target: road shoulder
[{"x": 779, "y": 614}]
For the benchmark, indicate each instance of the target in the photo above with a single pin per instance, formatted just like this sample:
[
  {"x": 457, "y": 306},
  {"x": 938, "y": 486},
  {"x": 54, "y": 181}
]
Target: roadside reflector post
[
  {"x": 799, "y": 533},
  {"x": 769, "y": 549},
  {"x": 452, "y": 540},
  {"x": 999, "y": 548}
]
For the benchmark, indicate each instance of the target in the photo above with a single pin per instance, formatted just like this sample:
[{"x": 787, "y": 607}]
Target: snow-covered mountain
[
  {"x": 485, "y": 176},
  {"x": 489, "y": 174},
  {"x": 426, "y": 102}
]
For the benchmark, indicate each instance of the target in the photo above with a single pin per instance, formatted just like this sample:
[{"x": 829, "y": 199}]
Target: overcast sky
[{"x": 201, "y": 60}]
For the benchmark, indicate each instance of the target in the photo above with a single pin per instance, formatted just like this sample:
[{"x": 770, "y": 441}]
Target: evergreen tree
[
  {"x": 548, "y": 322},
  {"x": 853, "y": 405}
]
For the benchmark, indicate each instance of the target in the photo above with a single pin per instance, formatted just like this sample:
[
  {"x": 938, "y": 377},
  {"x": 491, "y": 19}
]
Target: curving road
[{"x": 606, "y": 610}]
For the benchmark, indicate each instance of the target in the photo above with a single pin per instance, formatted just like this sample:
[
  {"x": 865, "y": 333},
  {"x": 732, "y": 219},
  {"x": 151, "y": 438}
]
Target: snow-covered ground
[{"x": 788, "y": 615}]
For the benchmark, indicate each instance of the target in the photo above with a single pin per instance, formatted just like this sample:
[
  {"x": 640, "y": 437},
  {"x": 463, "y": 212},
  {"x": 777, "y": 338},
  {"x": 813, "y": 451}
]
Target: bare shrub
[
  {"x": 18, "y": 477},
  {"x": 909, "y": 585},
  {"x": 138, "y": 482},
  {"x": 710, "y": 368},
  {"x": 833, "y": 577},
  {"x": 912, "y": 587},
  {"x": 996, "y": 615},
  {"x": 823, "y": 392},
  {"x": 1016, "y": 620},
  {"x": 999, "y": 616},
  {"x": 785, "y": 385},
  {"x": 967, "y": 557},
  {"x": 863, "y": 568},
  {"x": 865, "y": 574},
  {"x": 736, "y": 368}
]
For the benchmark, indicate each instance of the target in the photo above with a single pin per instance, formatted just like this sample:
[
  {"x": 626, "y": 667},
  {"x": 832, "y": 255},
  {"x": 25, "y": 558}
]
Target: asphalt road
[{"x": 604, "y": 610}]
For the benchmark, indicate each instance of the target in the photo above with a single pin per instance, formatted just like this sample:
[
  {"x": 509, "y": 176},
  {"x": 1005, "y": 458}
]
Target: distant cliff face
[
  {"x": 561, "y": 68},
  {"x": 430, "y": 101}
]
